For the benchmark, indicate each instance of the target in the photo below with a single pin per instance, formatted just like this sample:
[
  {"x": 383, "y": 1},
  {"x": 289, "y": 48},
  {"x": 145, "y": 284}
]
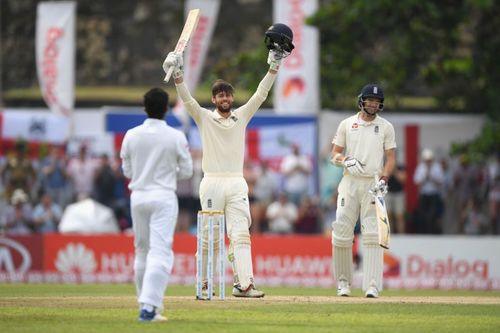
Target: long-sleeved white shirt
[
  {"x": 223, "y": 139},
  {"x": 429, "y": 177},
  {"x": 154, "y": 155}
]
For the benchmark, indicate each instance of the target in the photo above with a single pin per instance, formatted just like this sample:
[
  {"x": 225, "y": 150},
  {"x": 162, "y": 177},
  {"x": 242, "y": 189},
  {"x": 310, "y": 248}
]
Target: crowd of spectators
[
  {"x": 456, "y": 196},
  {"x": 34, "y": 194}
]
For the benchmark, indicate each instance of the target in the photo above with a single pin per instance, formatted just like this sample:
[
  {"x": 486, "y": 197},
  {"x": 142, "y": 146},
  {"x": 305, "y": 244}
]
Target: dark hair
[
  {"x": 156, "y": 103},
  {"x": 222, "y": 86}
]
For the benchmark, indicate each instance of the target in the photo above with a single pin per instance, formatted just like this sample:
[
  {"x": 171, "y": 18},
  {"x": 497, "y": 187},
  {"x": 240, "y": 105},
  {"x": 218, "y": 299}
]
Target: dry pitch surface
[{"x": 130, "y": 301}]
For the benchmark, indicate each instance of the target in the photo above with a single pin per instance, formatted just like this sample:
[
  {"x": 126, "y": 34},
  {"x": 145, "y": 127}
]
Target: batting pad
[
  {"x": 373, "y": 266},
  {"x": 243, "y": 263},
  {"x": 342, "y": 263}
]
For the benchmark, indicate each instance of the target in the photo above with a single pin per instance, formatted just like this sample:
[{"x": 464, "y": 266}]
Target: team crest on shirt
[
  {"x": 355, "y": 125},
  {"x": 209, "y": 203},
  {"x": 376, "y": 129}
]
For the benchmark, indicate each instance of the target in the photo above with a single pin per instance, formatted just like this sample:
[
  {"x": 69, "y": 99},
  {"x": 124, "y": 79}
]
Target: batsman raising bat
[
  {"x": 222, "y": 134},
  {"x": 361, "y": 144}
]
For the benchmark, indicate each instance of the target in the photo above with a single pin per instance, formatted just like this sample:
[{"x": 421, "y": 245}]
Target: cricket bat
[
  {"x": 384, "y": 228},
  {"x": 187, "y": 32}
]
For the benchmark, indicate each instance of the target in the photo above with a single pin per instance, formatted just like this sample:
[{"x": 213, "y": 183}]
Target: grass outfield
[{"x": 54, "y": 308}]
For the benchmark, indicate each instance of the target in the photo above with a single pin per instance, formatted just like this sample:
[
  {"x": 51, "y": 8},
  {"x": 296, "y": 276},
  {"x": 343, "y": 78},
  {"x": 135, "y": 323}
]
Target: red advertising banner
[
  {"x": 412, "y": 262},
  {"x": 85, "y": 258},
  {"x": 21, "y": 254},
  {"x": 293, "y": 260}
]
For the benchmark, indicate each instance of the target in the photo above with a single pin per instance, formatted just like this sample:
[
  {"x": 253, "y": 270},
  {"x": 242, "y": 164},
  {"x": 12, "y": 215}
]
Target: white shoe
[
  {"x": 250, "y": 292},
  {"x": 151, "y": 316},
  {"x": 372, "y": 292},
  {"x": 159, "y": 317},
  {"x": 343, "y": 288}
]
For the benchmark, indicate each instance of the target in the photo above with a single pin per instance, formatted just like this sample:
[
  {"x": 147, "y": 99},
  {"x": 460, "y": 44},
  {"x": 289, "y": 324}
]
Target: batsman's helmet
[
  {"x": 279, "y": 37},
  {"x": 371, "y": 90}
]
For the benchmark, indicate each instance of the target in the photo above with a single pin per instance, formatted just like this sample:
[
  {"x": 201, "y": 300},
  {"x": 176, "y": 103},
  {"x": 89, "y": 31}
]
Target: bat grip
[
  {"x": 169, "y": 73},
  {"x": 373, "y": 191}
]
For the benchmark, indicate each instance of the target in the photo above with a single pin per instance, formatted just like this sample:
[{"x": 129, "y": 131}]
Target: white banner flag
[
  {"x": 33, "y": 126},
  {"x": 296, "y": 90},
  {"x": 55, "y": 54},
  {"x": 196, "y": 51}
]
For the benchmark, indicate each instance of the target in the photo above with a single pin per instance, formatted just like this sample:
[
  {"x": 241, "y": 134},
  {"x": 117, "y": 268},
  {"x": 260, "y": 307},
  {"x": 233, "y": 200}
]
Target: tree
[{"x": 434, "y": 48}]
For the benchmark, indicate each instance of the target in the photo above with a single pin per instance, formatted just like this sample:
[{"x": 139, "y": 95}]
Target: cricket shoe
[
  {"x": 343, "y": 288},
  {"x": 250, "y": 292},
  {"x": 151, "y": 316},
  {"x": 372, "y": 292}
]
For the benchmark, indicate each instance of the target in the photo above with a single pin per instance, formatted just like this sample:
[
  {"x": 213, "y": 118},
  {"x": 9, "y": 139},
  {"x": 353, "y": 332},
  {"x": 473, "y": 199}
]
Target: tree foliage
[{"x": 444, "y": 49}]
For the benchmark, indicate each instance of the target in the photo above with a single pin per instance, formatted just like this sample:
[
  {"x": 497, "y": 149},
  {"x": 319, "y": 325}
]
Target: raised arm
[
  {"x": 250, "y": 108},
  {"x": 175, "y": 61}
]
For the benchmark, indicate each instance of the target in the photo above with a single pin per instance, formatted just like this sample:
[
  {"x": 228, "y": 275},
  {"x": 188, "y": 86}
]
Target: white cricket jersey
[
  {"x": 154, "y": 155},
  {"x": 223, "y": 139},
  {"x": 366, "y": 141}
]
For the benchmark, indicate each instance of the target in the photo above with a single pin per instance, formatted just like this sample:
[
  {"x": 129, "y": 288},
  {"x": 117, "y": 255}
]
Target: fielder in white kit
[
  {"x": 360, "y": 146},
  {"x": 154, "y": 157},
  {"x": 223, "y": 138}
]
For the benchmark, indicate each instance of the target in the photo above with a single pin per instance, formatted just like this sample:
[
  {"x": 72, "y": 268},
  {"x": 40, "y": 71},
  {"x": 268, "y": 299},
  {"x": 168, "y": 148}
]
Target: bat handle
[
  {"x": 373, "y": 191},
  {"x": 169, "y": 74}
]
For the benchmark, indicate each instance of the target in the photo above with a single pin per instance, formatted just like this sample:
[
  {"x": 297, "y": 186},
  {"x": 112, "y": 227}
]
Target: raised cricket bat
[
  {"x": 187, "y": 32},
  {"x": 384, "y": 228}
]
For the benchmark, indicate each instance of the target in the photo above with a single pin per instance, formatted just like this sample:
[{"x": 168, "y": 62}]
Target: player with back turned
[
  {"x": 154, "y": 156},
  {"x": 223, "y": 140},
  {"x": 361, "y": 144}
]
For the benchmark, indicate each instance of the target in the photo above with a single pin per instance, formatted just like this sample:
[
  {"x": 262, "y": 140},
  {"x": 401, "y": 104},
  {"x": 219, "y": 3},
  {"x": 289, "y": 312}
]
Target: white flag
[
  {"x": 196, "y": 51},
  {"x": 296, "y": 90},
  {"x": 55, "y": 54}
]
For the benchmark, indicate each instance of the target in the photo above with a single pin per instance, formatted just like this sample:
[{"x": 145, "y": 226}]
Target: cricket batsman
[
  {"x": 223, "y": 141},
  {"x": 361, "y": 144}
]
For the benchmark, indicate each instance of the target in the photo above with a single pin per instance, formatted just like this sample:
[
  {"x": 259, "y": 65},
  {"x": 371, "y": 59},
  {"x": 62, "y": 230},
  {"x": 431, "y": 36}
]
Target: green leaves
[{"x": 414, "y": 48}]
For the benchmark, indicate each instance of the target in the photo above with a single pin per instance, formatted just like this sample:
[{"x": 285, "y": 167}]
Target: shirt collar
[
  {"x": 218, "y": 116},
  {"x": 375, "y": 121},
  {"x": 154, "y": 122}
]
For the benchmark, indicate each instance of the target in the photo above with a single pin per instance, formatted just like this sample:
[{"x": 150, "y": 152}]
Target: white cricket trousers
[
  {"x": 355, "y": 202},
  {"x": 229, "y": 193},
  {"x": 154, "y": 216}
]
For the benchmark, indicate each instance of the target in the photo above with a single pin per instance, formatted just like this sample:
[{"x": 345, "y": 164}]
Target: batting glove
[
  {"x": 354, "y": 166},
  {"x": 380, "y": 187},
  {"x": 274, "y": 60},
  {"x": 174, "y": 60}
]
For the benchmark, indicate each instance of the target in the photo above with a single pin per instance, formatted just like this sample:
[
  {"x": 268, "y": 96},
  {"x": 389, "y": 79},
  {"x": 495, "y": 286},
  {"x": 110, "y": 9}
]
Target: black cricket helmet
[
  {"x": 279, "y": 38},
  {"x": 371, "y": 90}
]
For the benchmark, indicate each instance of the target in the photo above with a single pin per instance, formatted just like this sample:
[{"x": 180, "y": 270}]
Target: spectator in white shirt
[
  {"x": 429, "y": 178},
  {"x": 282, "y": 215},
  {"x": 81, "y": 171},
  {"x": 296, "y": 169}
]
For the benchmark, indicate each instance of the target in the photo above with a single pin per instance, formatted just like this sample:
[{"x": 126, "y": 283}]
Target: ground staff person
[
  {"x": 361, "y": 144},
  {"x": 154, "y": 157}
]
